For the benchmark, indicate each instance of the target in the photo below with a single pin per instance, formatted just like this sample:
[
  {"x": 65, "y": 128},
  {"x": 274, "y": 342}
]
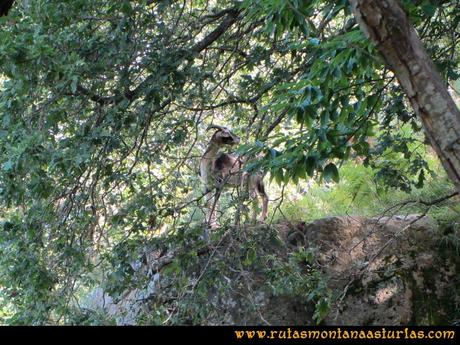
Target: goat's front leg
[
  {"x": 212, "y": 199},
  {"x": 255, "y": 206},
  {"x": 243, "y": 193},
  {"x": 254, "y": 199}
]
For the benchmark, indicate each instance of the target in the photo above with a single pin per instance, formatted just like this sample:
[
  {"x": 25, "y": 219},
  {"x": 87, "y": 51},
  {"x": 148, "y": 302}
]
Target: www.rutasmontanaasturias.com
[{"x": 339, "y": 333}]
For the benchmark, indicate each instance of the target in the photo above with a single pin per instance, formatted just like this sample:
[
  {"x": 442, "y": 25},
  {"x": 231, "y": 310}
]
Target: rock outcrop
[
  {"x": 381, "y": 271},
  {"x": 385, "y": 270}
]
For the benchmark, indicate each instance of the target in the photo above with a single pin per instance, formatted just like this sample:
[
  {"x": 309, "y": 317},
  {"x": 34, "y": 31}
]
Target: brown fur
[{"x": 218, "y": 169}]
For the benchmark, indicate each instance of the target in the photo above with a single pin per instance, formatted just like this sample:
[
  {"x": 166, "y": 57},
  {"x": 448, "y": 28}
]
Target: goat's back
[{"x": 227, "y": 163}]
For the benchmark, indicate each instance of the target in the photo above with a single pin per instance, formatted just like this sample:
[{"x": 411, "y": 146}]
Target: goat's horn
[{"x": 216, "y": 127}]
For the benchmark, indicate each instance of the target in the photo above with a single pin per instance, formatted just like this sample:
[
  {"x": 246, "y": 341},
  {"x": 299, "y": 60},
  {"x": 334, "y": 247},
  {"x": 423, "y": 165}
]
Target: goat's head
[{"x": 223, "y": 136}]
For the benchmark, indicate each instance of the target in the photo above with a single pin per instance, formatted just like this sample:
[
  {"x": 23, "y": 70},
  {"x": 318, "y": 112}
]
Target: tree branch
[
  {"x": 214, "y": 35},
  {"x": 229, "y": 20},
  {"x": 197, "y": 48}
]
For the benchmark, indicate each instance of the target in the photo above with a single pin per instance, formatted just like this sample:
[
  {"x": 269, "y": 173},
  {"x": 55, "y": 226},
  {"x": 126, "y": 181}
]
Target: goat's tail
[{"x": 261, "y": 187}]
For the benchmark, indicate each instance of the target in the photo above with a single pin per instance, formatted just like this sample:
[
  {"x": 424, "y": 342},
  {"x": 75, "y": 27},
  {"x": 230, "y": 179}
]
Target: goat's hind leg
[
  {"x": 260, "y": 189},
  {"x": 244, "y": 194},
  {"x": 264, "y": 214},
  {"x": 210, "y": 215}
]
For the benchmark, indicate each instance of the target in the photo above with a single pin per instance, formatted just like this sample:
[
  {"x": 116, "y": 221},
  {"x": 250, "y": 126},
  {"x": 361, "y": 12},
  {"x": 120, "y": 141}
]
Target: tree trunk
[{"x": 387, "y": 25}]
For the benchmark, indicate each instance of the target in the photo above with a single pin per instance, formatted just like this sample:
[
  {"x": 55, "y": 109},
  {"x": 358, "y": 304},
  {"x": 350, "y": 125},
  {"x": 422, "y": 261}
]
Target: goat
[{"x": 218, "y": 168}]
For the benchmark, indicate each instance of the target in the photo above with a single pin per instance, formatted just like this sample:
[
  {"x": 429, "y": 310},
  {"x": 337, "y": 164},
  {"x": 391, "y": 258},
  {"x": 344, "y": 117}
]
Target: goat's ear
[
  {"x": 217, "y": 135},
  {"x": 221, "y": 134}
]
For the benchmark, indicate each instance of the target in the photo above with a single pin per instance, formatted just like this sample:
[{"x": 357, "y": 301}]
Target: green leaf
[
  {"x": 429, "y": 9},
  {"x": 322, "y": 307},
  {"x": 351, "y": 63},
  {"x": 274, "y": 153},
  {"x": 299, "y": 115},
  {"x": 173, "y": 268},
  {"x": 6, "y": 120},
  {"x": 300, "y": 171},
  {"x": 73, "y": 84},
  {"x": 251, "y": 256},
  {"x": 279, "y": 176},
  {"x": 8, "y": 166},
  {"x": 314, "y": 41},
  {"x": 310, "y": 165},
  {"x": 308, "y": 115},
  {"x": 421, "y": 179},
  {"x": 126, "y": 8},
  {"x": 331, "y": 173}
]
